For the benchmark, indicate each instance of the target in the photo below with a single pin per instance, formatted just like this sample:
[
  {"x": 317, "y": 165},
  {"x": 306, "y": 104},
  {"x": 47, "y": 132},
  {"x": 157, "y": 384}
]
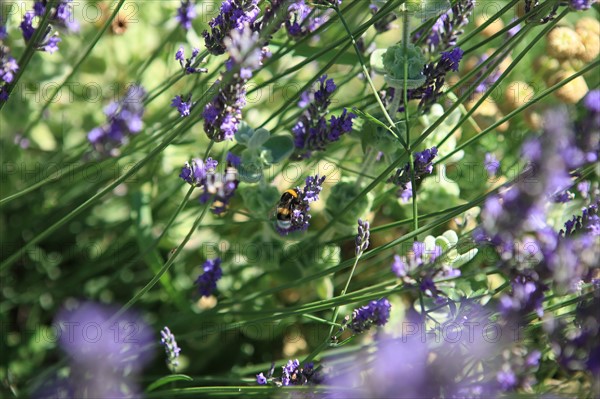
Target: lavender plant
[{"x": 322, "y": 198}]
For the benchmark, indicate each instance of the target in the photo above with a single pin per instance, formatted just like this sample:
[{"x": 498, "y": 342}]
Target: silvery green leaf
[
  {"x": 244, "y": 133},
  {"x": 259, "y": 137},
  {"x": 464, "y": 258},
  {"x": 398, "y": 84},
  {"x": 377, "y": 60},
  {"x": 279, "y": 147}
]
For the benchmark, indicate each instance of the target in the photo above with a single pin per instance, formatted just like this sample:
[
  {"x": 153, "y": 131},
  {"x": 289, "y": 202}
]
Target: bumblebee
[{"x": 289, "y": 200}]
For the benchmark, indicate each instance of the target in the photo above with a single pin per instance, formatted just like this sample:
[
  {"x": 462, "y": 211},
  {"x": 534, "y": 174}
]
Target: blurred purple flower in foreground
[
  {"x": 105, "y": 355},
  {"x": 418, "y": 364}
]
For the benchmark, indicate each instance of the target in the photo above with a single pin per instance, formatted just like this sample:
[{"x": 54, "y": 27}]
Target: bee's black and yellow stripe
[{"x": 286, "y": 204}]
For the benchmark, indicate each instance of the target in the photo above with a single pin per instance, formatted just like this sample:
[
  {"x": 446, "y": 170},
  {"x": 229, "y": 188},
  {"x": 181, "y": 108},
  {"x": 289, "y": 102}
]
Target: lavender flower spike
[
  {"x": 362, "y": 238},
  {"x": 207, "y": 281},
  {"x": 171, "y": 348},
  {"x": 232, "y": 16},
  {"x": 376, "y": 312}
]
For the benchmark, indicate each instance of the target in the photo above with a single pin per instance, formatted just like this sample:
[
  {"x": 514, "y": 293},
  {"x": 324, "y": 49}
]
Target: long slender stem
[
  {"x": 367, "y": 75},
  {"x": 411, "y": 160}
]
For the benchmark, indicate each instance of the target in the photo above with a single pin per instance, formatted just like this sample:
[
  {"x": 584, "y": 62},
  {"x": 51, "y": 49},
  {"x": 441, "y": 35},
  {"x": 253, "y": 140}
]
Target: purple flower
[
  {"x": 301, "y": 22},
  {"x": 427, "y": 370},
  {"x": 217, "y": 187},
  {"x": 592, "y": 101},
  {"x": 3, "y": 33},
  {"x": 514, "y": 30},
  {"x": 376, "y": 312},
  {"x": 311, "y": 132},
  {"x": 587, "y": 223},
  {"x": 291, "y": 374},
  {"x": 244, "y": 52},
  {"x": 171, "y": 348},
  {"x": 26, "y": 26},
  {"x": 105, "y": 359},
  {"x": 8, "y": 65},
  {"x": 223, "y": 114},
  {"x": 60, "y": 16},
  {"x": 506, "y": 379},
  {"x": 447, "y": 27},
  {"x": 418, "y": 264},
  {"x": 124, "y": 119},
  {"x": 186, "y": 14},
  {"x": 189, "y": 66},
  {"x": 261, "y": 379},
  {"x": 362, "y": 238},
  {"x": 581, "y": 5},
  {"x": 423, "y": 165},
  {"x": 584, "y": 188},
  {"x": 452, "y": 58},
  {"x": 100, "y": 345},
  {"x": 301, "y": 206},
  {"x": 435, "y": 77},
  {"x": 183, "y": 107},
  {"x": 491, "y": 164},
  {"x": 233, "y": 15},
  {"x": 52, "y": 44},
  {"x": 207, "y": 281}
]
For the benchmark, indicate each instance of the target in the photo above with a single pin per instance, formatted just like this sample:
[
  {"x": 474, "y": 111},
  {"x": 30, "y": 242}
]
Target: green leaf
[
  {"x": 370, "y": 118},
  {"x": 259, "y": 138},
  {"x": 279, "y": 149},
  {"x": 377, "y": 60},
  {"x": 398, "y": 84},
  {"x": 244, "y": 133},
  {"x": 167, "y": 379},
  {"x": 251, "y": 166}
]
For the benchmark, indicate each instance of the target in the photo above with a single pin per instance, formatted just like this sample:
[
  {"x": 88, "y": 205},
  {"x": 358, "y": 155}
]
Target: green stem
[
  {"x": 405, "y": 34},
  {"x": 367, "y": 75}
]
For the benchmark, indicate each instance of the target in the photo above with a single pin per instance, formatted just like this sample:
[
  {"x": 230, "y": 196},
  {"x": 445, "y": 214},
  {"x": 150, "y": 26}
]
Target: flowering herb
[
  {"x": 233, "y": 15},
  {"x": 312, "y": 132},
  {"x": 216, "y": 187},
  {"x": 434, "y": 77},
  {"x": 188, "y": 64},
  {"x": 301, "y": 19},
  {"x": 61, "y": 16},
  {"x": 222, "y": 116},
  {"x": 8, "y": 68},
  {"x": 492, "y": 165},
  {"x": 124, "y": 119},
  {"x": 423, "y": 165},
  {"x": 300, "y": 215},
  {"x": 207, "y": 281},
  {"x": 292, "y": 374},
  {"x": 448, "y": 26},
  {"x": 362, "y": 238},
  {"x": 183, "y": 107},
  {"x": 186, "y": 13},
  {"x": 375, "y": 313},
  {"x": 171, "y": 348}
]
